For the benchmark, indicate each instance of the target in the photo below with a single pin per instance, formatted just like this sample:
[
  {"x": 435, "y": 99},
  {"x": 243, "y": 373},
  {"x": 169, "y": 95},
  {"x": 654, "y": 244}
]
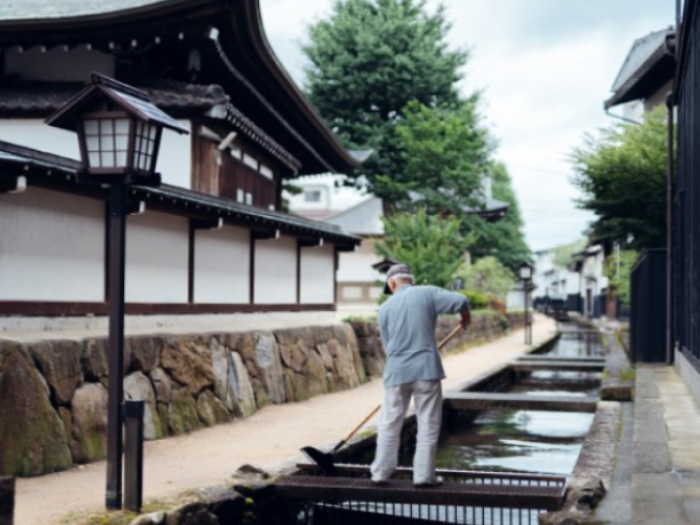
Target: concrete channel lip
[
  {"x": 556, "y": 366},
  {"x": 486, "y": 400}
]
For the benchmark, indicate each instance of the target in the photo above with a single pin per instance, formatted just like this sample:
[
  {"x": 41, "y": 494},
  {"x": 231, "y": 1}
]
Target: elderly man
[{"x": 413, "y": 370}]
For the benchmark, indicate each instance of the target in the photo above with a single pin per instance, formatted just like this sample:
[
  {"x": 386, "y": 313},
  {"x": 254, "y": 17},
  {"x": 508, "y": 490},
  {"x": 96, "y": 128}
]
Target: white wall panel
[
  {"x": 51, "y": 247},
  {"x": 33, "y": 133},
  {"x": 175, "y": 157},
  {"x": 157, "y": 258},
  {"x": 276, "y": 271},
  {"x": 222, "y": 266},
  {"x": 317, "y": 275}
]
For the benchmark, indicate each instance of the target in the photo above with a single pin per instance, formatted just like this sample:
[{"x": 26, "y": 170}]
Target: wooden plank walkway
[
  {"x": 562, "y": 359},
  {"x": 486, "y": 400},
  {"x": 530, "y": 365},
  {"x": 461, "y": 488}
]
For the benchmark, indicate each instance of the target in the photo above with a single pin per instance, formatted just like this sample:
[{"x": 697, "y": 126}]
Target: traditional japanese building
[{"x": 212, "y": 238}]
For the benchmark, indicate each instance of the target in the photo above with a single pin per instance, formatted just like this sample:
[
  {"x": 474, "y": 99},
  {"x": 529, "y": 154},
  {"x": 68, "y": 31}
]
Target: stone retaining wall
[{"x": 53, "y": 394}]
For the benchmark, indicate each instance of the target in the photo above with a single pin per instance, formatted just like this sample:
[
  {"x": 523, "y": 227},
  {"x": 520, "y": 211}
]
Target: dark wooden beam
[
  {"x": 13, "y": 184},
  {"x": 52, "y": 308}
]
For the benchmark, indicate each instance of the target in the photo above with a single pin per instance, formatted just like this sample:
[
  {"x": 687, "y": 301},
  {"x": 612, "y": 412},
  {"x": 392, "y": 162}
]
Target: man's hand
[{"x": 466, "y": 315}]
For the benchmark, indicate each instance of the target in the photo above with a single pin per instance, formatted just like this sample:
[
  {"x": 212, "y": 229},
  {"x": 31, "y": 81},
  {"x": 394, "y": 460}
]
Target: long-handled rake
[{"x": 325, "y": 459}]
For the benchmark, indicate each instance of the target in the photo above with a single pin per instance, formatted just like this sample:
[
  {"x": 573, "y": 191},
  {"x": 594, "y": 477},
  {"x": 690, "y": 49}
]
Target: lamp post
[
  {"x": 119, "y": 132},
  {"x": 525, "y": 271}
]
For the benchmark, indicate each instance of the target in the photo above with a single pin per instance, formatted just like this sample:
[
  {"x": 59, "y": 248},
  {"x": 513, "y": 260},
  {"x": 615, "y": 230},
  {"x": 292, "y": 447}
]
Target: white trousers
[{"x": 427, "y": 397}]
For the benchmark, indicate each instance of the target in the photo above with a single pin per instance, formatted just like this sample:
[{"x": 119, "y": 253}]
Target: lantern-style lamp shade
[
  {"x": 119, "y": 131},
  {"x": 114, "y": 142},
  {"x": 525, "y": 271}
]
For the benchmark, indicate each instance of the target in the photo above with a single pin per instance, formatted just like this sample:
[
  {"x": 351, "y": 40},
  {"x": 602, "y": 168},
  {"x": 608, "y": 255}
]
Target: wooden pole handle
[
  {"x": 449, "y": 337},
  {"x": 358, "y": 427}
]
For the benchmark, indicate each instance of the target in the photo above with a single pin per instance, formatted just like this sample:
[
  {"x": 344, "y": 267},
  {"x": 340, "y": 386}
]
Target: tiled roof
[
  {"x": 165, "y": 94},
  {"x": 42, "y": 9}
]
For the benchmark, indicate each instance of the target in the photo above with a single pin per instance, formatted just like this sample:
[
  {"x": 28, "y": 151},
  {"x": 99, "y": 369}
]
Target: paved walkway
[
  {"x": 657, "y": 474},
  {"x": 270, "y": 439}
]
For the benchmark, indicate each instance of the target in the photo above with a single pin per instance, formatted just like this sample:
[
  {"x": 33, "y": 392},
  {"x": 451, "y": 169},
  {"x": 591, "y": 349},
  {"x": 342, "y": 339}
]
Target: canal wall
[{"x": 53, "y": 393}]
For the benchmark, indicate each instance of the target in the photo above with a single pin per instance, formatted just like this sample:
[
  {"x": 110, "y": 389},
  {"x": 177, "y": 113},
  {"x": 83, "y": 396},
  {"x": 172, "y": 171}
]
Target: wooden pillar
[{"x": 7, "y": 500}]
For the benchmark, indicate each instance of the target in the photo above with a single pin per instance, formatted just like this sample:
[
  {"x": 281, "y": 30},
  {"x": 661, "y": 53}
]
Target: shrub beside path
[{"x": 270, "y": 439}]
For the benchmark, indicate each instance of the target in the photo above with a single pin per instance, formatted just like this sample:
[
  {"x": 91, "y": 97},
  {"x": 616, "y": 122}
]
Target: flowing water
[{"x": 527, "y": 440}]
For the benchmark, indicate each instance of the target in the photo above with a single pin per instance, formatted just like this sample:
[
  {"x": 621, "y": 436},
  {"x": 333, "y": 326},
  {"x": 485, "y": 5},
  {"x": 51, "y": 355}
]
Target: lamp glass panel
[{"x": 107, "y": 142}]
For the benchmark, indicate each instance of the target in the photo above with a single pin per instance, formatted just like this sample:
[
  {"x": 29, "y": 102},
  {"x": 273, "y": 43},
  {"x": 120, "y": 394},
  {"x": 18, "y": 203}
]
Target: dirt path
[{"x": 270, "y": 439}]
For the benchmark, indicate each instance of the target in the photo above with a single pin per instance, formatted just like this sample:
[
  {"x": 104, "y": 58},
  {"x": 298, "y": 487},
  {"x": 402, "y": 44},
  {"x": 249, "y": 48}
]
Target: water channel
[{"x": 527, "y": 440}]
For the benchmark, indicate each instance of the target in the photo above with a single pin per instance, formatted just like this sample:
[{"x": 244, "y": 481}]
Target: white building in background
[
  {"x": 357, "y": 212},
  {"x": 552, "y": 280},
  {"x": 590, "y": 264}
]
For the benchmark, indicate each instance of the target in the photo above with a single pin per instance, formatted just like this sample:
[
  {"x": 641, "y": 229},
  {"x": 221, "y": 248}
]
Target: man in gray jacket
[{"x": 413, "y": 370}]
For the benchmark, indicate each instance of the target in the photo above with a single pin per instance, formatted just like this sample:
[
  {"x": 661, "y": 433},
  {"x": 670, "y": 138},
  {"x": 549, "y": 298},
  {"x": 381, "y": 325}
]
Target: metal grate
[{"x": 467, "y": 497}]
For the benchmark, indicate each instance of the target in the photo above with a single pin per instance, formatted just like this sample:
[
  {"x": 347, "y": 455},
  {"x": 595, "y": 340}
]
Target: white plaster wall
[
  {"x": 33, "y": 133},
  {"x": 51, "y": 247},
  {"x": 222, "y": 266},
  {"x": 157, "y": 253},
  {"x": 276, "y": 271},
  {"x": 58, "y": 65},
  {"x": 317, "y": 275},
  {"x": 357, "y": 267},
  {"x": 174, "y": 159}
]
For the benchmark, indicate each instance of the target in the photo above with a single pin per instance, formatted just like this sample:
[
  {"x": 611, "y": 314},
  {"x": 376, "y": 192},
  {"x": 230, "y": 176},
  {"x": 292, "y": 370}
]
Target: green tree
[
  {"x": 564, "y": 255},
  {"x": 622, "y": 174},
  {"x": 618, "y": 270},
  {"x": 367, "y": 62},
  {"x": 445, "y": 154},
  {"x": 431, "y": 245},
  {"x": 487, "y": 276},
  {"x": 504, "y": 239}
]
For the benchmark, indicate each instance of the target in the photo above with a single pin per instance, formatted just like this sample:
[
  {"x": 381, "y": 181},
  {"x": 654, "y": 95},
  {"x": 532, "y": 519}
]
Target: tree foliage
[
  {"x": 432, "y": 246},
  {"x": 487, "y": 276},
  {"x": 368, "y": 61},
  {"x": 622, "y": 174},
  {"x": 445, "y": 154},
  {"x": 618, "y": 270},
  {"x": 504, "y": 239},
  {"x": 563, "y": 256}
]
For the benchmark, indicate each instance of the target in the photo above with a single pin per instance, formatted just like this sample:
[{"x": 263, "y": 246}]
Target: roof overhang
[
  {"x": 241, "y": 38},
  {"x": 59, "y": 173},
  {"x": 651, "y": 76}
]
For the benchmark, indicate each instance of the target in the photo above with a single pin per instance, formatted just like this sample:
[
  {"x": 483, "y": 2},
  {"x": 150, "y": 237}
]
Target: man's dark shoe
[
  {"x": 380, "y": 482},
  {"x": 428, "y": 484}
]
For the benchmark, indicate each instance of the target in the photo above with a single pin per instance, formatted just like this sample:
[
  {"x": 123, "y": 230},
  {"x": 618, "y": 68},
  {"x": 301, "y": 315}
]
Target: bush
[{"x": 477, "y": 300}]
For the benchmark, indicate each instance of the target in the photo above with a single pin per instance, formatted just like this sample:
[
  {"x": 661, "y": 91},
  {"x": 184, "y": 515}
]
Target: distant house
[
  {"x": 211, "y": 239},
  {"x": 593, "y": 284},
  {"x": 360, "y": 272},
  {"x": 646, "y": 76},
  {"x": 552, "y": 281}
]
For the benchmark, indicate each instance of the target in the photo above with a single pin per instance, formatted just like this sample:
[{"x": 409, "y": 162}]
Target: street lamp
[
  {"x": 525, "y": 271},
  {"x": 119, "y": 132}
]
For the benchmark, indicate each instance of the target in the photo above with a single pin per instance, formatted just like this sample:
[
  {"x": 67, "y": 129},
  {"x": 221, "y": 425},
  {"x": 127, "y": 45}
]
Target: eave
[
  {"x": 651, "y": 76},
  {"x": 241, "y": 38},
  {"x": 58, "y": 173}
]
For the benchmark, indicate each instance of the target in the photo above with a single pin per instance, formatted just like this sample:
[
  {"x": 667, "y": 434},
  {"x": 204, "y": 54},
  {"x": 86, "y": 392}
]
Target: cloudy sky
[{"x": 545, "y": 66}]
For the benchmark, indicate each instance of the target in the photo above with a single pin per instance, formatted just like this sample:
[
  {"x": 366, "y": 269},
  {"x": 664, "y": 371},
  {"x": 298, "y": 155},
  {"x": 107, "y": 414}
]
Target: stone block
[
  {"x": 240, "y": 387},
  {"x": 59, "y": 363},
  {"x": 182, "y": 412},
  {"x": 138, "y": 387},
  {"x": 145, "y": 352},
  {"x": 211, "y": 409},
  {"x": 90, "y": 422},
  {"x": 31, "y": 432},
  {"x": 188, "y": 360}
]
